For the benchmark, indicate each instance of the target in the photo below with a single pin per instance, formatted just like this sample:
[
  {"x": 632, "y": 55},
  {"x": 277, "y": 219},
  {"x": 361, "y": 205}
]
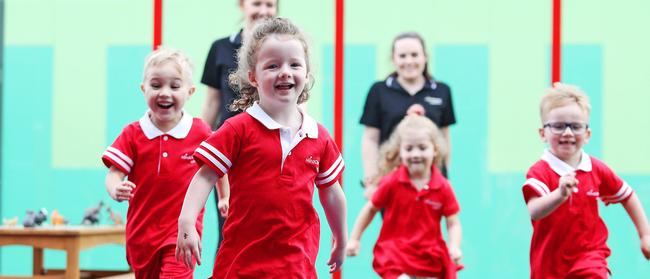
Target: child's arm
[
  {"x": 366, "y": 215},
  {"x": 223, "y": 191},
  {"x": 189, "y": 243},
  {"x": 637, "y": 214},
  {"x": 455, "y": 234},
  {"x": 333, "y": 201},
  {"x": 118, "y": 188},
  {"x": 540, "y": 207}
]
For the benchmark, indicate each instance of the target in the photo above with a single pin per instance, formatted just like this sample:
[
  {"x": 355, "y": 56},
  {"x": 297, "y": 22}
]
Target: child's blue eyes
[{"x": 275, "y": 66}]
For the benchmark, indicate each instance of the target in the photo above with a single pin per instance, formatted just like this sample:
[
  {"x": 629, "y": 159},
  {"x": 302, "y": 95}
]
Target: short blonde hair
[
  {"x": 247, "y": 59},
  {"x": 389, "y": 156},
  {"x": 163, "y": 55},
  {"x": 562, "y": 95}
]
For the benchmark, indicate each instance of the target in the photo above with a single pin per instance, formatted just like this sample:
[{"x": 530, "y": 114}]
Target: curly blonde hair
[
  {"x": 247, "y": 58},
  {"x": 389, "y": 156}
]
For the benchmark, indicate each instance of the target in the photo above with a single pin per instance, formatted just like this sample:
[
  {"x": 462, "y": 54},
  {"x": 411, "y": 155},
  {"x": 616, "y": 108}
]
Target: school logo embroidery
[
  {"x": 188, "y": 157},
  {"x": 593, "y": 193},
  {"x": 312, "y": 162},
  {"x": 435, "y": 205},
  {"x": 433, "y": 101}
]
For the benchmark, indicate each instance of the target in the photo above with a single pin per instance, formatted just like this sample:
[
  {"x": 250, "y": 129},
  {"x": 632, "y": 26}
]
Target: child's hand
[
  {"x": 223, "y": 206},
  {"x": 188, "y": 245},
  {"x": 416, "y": 109},
  {"x": 645, "y": 246},
  {"x": 456, "y": 255},
  {"x": 568, "y": 184},
  {"x": 337, "y": 256},
  {"x": 353, "y": 248},
  {"x": 122, "y": 191}
]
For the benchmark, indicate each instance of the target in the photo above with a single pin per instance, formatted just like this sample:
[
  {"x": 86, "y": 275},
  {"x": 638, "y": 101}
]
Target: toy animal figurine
[
  {"x": 10, "y": 222},
  {"x": 35, "y": 219},
  {"x": 58, "y": 219},
  {"x": 91, "y": 217},
  {"x": 115, "y": 216}
]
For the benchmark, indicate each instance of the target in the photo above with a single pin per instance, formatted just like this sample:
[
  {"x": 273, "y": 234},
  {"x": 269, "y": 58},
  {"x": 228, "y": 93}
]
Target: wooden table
[{"x": 72, "y": 239}]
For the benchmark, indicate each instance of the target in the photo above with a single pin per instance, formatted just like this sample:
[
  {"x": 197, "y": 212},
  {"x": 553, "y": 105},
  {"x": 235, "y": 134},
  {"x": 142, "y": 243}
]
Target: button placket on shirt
[
  {"x": 163, "y": 153},
  {"x": 285, "y": 133}
]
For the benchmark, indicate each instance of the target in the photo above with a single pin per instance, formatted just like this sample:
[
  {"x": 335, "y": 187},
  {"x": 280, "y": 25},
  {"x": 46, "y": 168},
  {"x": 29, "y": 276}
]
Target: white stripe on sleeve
[
  {"x": 120, "y": 154},
  {"x": 623, "y": 193},
  {"x": 216, "y": 152},
  {"x": 211, "y": 158},
  {"x": 541, "y": 188},
  {"x": 332, "y": 168},
  {"x": 333, "y": 175},
  {"x": 117, "y": 160}
]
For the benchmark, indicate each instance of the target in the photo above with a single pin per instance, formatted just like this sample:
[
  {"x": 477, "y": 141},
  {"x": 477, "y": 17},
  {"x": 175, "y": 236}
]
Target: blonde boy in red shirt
[
  {"x": 156, "y": 155},
  {"x": 562, "y": 191}
]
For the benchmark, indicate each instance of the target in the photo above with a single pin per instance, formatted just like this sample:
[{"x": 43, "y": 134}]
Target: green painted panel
[{"x": 124, "y": 100}]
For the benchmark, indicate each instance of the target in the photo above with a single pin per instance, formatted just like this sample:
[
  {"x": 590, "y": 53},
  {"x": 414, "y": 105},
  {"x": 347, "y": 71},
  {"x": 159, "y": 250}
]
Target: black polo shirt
[
  {"x": 221, "y": 61},
  {"x": 387, "y": 103}
]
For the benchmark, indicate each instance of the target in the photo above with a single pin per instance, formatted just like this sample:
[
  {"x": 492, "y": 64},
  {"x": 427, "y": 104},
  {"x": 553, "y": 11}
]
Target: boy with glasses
[{"x": 562, "y": 190}]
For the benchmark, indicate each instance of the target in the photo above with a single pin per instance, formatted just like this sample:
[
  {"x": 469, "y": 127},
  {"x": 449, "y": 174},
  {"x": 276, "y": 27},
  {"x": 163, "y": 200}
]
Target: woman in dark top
[
  {"x": 221, "y": 61},
  {"x": 410, "y": 88}
]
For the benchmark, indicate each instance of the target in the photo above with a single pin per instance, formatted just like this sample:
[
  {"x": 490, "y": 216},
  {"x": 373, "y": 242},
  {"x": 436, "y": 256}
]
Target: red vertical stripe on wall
[
  {"x": 157, "y": 23},
  {"x": 338, "y": 75},
  {"x": 556, "y": 41},
  {"x": 338, "y": 85}
]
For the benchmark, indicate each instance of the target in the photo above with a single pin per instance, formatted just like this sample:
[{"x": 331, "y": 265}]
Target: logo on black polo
[{"x": 433, "y": 100}]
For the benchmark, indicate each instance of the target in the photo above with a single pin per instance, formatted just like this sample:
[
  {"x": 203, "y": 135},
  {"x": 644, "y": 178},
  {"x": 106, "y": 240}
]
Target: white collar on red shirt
[
  {"x": 562, "y": 168},
  {"x": 309, "y": 125},
  {"x": 179, "y": 132}
]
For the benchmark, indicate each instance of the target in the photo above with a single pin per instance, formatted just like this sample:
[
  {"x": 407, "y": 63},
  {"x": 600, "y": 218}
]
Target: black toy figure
[
  {"x": 91, "y": 217},
  {"x": 35, "y": 219}
]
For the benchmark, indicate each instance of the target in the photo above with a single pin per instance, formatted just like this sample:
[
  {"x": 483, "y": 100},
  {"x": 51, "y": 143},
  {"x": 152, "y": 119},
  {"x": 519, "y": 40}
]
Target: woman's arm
[
  {"x": 370, "y": 155},
  {"x": 211, "y": 106},
  {"x": 447, "y": 135}
]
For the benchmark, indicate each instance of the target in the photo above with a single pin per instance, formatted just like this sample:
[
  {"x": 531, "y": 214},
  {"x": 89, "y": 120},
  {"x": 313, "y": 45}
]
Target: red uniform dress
[
  {"x": 272, "y": 229},
  {"x": 410, "y": 240},
  {"x": 161, "y": 166},
  {"x": 572, "y": 238}
]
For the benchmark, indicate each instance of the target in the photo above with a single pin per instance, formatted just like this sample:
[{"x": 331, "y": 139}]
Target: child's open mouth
[
  {"x": 567, "y": 142},
  {"x": 165, "y": 105},
  {"x": 284, "y": 86}
]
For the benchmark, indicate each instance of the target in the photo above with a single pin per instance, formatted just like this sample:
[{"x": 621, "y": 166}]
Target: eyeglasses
[{"x": 558, "y": 128}]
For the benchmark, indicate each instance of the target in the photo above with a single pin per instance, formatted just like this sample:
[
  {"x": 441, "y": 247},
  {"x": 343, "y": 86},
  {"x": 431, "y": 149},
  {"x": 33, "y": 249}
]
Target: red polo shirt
[
  {"x": 573, "y": 236},
  {"x": 410, "y": 240},
  {"x": 161, "y": 166},
  {"x": 272, "y": 229}
]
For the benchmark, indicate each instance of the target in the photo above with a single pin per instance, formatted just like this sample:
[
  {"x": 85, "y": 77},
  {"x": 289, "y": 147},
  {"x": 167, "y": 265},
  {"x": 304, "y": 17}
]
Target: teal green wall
[{"x": 71, "y": 81}]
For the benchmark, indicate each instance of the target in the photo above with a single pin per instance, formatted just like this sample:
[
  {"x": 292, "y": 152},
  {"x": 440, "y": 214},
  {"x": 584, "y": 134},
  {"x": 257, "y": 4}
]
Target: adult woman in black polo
[
  {"x": 410, "y": 87},
  {"x": 221, "y": 61}
]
